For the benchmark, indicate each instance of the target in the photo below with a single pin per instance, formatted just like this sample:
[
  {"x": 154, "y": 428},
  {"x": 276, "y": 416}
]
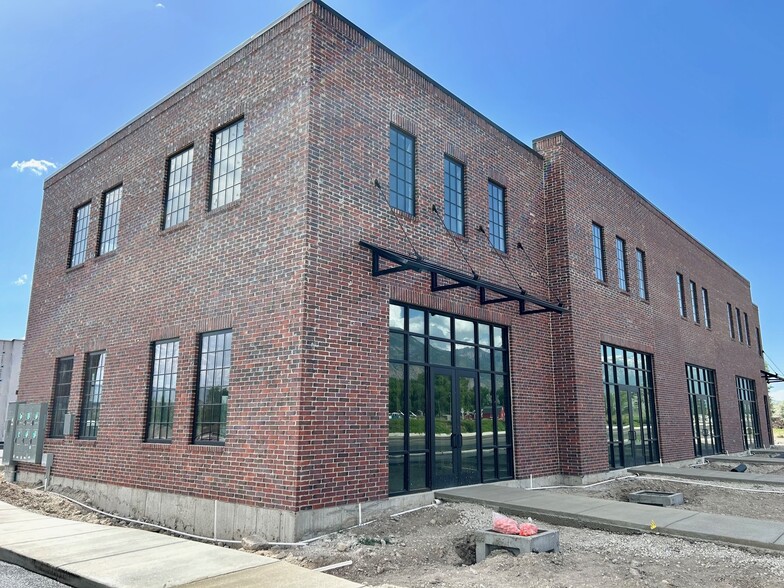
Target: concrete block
[
  {"x": 543, "y": 542},
  {"x": 657, "y": 498}
]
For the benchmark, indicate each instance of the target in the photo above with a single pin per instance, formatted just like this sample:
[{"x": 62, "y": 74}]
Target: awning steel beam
[
  {"x": 457, "y": 279},
  {"x": 772, "y": 378}
]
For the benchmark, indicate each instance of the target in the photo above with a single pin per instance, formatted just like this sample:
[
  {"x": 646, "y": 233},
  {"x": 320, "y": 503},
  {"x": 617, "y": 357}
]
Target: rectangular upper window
[
  {"x": 91, "y": 398},
  {"x": 178, "y": 190},
  {"x": 454, "y": 207},
  {"x": 681, "y": 296},
  {"x": 730, "y": 320},
  {"x": 401, "y": 170},
  {"x": 163, "y": 385},
  {"x": 706, "y": 308},
  {"x": 740, "y": 325},
  {"x": 110, "y": 220},
  {"x": 81, "y": 225},
  {"x": 642, "y": 275},
  {"x": 759, "y": 342},
  {"x": 62, "y": 394},
  {"x": 746, "y": 323},
  {"x": 213, "y": 394},
  {"x": 695, "y": 307},
  {"x": 598, "y": 252},
  {"x": 496, "y": 208},
  {"x": 620, "y": 254},
  {"x": 226, "y": 164}
]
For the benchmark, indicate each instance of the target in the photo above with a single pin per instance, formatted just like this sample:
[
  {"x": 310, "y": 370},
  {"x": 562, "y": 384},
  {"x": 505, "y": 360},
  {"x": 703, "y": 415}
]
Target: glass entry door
[
  {"x": 631, "y": 417},
  {"x": 453, "y": 423}
]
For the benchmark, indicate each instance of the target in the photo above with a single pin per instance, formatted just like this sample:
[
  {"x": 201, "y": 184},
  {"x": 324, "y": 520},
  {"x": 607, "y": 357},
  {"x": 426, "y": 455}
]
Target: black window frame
[
  {"x": 731, "y": 321},
  {"x": 61, "y": 395},
  {"x": 701, "y": 384},
  {"x": 213, "y": 201},
  {"x": 642, "y": 275},
  {"x": 491, "y": 364},
  {"x": 182, "y": 184},
  {"x": 748, "y": 333},
  {"x": 202, "y": 370},
  {"x": 740, "y": 325},
  {"x": 599, "y": 265},
  {"x": 396, "y": 198},
  {"x": 80, "y": 227},
  {"x": 456, "y": 189},
  {"x": 497, "y": 241},
  {"x": 170, "y": 364},
  {"x": 92, "y": 390},
  {"x": 681, "y": 295},
  {"x": 695, "y": 303},
  {"x": 706, "y": 308},
  {"x": 109, "y": 222},
  {"x": 620, "y": 254},
  {"x": 760, "y": 351},
  {"x": 747, "y": 402}
]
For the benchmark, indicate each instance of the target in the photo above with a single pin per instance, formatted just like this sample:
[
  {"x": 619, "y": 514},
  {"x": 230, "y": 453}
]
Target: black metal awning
[
  {"x": 489, "y": 293},
  {"x": 772, "y": 378}
]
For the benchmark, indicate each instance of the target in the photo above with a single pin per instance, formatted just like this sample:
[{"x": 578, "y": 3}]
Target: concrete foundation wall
[{"x": 228, "y": 521}]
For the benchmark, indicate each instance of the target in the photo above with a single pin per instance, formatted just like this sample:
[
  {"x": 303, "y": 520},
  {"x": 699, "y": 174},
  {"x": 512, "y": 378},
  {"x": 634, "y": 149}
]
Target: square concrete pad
[{"x": 169, "y": 565}]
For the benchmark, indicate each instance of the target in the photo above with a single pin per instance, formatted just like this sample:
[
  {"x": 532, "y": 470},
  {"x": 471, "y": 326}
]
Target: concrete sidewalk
[
  {"x": 708, "y": 475},
  {"x": 90, "y": 555},
  {"x": 748, "y": 459},
  {"x": 577, "y": 511}
]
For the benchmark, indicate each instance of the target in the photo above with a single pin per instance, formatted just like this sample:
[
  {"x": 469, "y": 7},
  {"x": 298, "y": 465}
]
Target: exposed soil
[{"x": 434, "y": 548}]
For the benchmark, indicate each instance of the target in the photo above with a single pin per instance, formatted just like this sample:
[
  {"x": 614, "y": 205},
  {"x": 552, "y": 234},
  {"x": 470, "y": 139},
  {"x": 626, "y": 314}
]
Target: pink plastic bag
[
  {"x": 528, "y": 529},
  {"x": 502, "y": 524}
]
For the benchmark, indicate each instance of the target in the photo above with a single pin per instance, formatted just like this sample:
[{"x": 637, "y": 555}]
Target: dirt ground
[{"x": 433, "y": 548}]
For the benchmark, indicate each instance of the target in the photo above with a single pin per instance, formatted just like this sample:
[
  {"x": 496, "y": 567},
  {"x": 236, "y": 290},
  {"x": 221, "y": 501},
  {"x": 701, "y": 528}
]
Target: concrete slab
[
  {"x": 56, "y": 533},
  {"x": 747, "y": 459},
  {"x": 41, "y": 523},
  {"x": 91, "y": 555},
  {"x": 279, "y": 575},
  {"x": 104, "y": 543},
  {"x": 729, "y": 529},
  {"x": 708, "y": 475},
  {"x": 168, "y": 565},
  {"x": 577, "y": 511}
]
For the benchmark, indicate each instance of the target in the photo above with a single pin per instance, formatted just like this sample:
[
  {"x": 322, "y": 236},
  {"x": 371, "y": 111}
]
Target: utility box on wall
[{"x": 28, "y": 439}]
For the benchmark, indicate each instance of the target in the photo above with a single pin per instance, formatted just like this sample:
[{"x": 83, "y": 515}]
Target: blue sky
[{"x": 681, "y": 99}]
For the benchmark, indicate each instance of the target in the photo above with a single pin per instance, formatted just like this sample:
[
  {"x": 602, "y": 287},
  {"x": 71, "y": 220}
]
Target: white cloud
[
  {"x": 160, "y": 5},
  {"x": 21, "y": 280},
  {"x": 37, "y": 166}
]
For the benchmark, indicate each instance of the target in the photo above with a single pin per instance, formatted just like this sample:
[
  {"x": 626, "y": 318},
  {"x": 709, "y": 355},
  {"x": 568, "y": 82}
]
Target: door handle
[{"x": 453, "y": 441}]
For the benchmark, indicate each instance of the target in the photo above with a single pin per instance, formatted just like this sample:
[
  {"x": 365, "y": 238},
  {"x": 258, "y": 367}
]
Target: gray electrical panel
[
  {"x": 28, "y": 440},
  {"x": 10, "y": 433}
]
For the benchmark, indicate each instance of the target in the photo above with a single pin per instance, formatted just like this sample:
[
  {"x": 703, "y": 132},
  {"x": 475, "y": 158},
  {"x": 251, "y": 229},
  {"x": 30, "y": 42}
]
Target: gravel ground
[
  {"x": 434, "y": 548},
  {"x": 16, "y": 577}
]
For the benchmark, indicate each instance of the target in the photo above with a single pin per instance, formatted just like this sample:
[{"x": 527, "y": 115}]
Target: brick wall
[
  {"x": 240, "y": 267},
  {"x": 603, "y": 313}
]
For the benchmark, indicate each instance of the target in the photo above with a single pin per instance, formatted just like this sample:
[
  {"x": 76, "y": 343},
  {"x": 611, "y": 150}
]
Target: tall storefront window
[
  {"x": 449, "y": 402},
  {"x": 629, "y": 402}
]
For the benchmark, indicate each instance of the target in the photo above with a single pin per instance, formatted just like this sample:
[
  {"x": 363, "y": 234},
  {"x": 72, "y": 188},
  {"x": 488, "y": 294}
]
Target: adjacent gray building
[{"x": 10, "y": 364}]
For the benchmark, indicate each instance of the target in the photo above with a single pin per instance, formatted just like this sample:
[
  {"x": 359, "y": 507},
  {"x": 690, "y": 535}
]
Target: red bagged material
[
  {"x": 502, "y": 524},
  {"x": 528, "y": 529}
]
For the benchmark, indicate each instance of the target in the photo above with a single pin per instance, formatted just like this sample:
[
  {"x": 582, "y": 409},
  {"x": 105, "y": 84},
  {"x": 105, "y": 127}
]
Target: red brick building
[{"x": 308, "y": 278}]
